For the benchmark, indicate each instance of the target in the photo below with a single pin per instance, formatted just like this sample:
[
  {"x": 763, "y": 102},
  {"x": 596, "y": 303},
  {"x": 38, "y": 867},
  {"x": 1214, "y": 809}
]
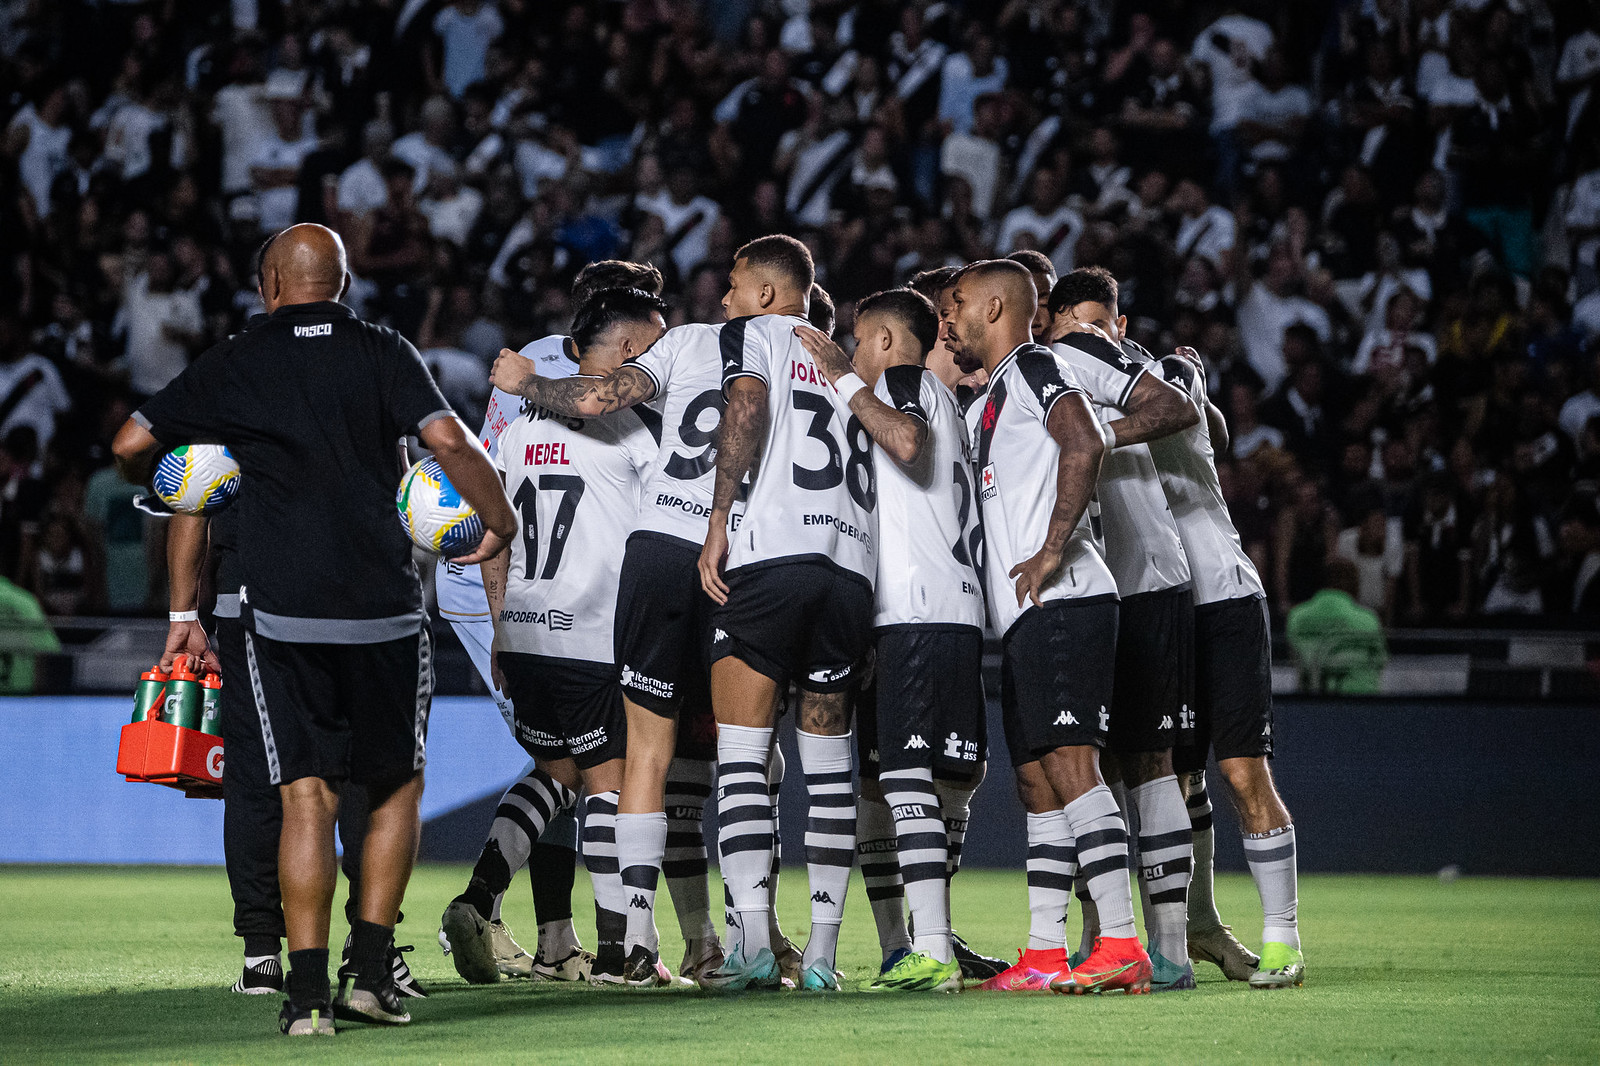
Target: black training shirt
[{"x": 312, "y": 402}]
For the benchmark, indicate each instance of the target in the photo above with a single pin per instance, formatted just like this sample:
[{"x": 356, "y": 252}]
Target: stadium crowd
[{"x": 1377, "y": 219}]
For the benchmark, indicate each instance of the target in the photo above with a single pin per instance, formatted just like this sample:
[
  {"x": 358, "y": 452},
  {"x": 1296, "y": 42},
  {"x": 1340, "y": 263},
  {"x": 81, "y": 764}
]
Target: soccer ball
[
  {"x": 434, "y": 514},
  {"x": 196, "y": 478}
]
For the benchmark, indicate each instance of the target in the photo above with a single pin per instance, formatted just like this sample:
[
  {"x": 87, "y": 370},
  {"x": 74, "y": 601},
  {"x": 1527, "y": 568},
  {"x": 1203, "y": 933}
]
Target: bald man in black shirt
[{"x": 312, "y": 402}]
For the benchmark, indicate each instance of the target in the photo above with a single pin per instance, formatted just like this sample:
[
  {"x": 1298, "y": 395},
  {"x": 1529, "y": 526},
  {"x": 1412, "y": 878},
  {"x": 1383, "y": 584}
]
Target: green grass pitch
[{"x": 132, "y": 964}]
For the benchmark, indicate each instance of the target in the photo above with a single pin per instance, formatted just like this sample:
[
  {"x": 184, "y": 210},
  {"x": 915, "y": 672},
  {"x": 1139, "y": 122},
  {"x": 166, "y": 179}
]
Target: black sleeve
[
  {"x": 414, "y": 399},
  {"x": 195, "y": 404},
  {"x": 1119, "y": 367},
  {"x": 905, "y": 390},
  {"x": 1178, "y": 371},
  {"x": 738, "y": 353},
  {"x": 1046, "y": 378}
]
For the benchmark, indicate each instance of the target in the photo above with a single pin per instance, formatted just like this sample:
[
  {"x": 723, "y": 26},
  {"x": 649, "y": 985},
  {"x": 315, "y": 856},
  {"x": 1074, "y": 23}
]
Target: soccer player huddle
[{"x": 721, "y": 523}]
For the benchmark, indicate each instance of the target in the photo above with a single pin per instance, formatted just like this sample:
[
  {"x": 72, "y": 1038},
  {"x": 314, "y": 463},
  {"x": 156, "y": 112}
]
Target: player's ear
[
  {"x": 768, "y": 294},
  {"x": 995, "y": 308},
  {"x": 1122, "y": 326},
  {"x": 344, "y": 287},
  {"x": 885, "y": 338}
]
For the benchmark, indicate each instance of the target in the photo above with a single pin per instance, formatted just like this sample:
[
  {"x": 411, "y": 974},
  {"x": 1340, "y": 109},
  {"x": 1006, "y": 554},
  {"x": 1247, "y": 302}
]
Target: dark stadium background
[{"x": 1377, "y": 220}]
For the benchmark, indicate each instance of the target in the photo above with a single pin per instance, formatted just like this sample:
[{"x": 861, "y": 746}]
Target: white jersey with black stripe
[
  {"x": 1143, "y": 548},
  {"x": 1017, "y": 466},
  {"x": 813, "y": 494},
  {"x": 928, "y": 527},
  {"x": 459, "y": 589},
  {"x": 1188, "y": 467},
  {"x": 575, "y": 487},
  {"x": 686, "y": 367}
]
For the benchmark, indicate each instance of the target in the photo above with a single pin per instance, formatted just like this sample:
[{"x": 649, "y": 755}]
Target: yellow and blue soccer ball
[
  {"x": 434, "y": 514},
  {"x": 197, "y": 478}
]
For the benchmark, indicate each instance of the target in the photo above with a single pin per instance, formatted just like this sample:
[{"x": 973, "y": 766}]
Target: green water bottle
[
  {"x": 185, "y": 702},
  {"x": 149, "y": 696},
  {"x": 211, "y": 715}
]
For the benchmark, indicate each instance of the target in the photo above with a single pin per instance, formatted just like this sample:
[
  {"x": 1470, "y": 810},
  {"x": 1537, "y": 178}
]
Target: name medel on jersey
[
  {"x": 686, "y": 366},
  {"x": 929, "y": 538},
  {"x": 1017, "y": 462},
  {"x": 575, "y": 487},
  {"x": 459, "y": 589},
  {"x": 814, "y": 496},
  {"x": 1141, "y": 537},
  {"x": 1188, "y": 468}
]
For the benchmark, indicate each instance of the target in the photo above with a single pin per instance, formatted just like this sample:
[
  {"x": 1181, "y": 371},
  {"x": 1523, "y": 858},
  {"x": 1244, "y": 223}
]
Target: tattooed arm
[
  {"x": 1077, "y": 431},
  {"x": 572, "y": 397},
  {"x": 901, "y": 435},
  {"x": 494, "y": 586},
  {"x": 1155, "y": 410},
  {"x": 744, "y": 428}
]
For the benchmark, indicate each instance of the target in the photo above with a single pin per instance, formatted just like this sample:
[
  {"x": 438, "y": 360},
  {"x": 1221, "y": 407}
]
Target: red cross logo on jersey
[
  {"x": 989, "y": 413},
  {"x": 988, "y": 477}
]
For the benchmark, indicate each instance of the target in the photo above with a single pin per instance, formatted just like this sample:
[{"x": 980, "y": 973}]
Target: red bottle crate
[{"x": 165, "y": 754}]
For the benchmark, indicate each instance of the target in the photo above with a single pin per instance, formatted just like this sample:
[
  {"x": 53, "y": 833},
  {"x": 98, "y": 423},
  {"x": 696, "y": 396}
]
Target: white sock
[
  {"x": 1102, "y": 840},
  {"x": 878, "y": 849},
  {"x": 924, "y": 856},
  {"x": 830, "y": 837},
  {"x": 1202, "y": 878},
  {"x": 684, "y": 862},
  {"x": 1165, "y": 858},
  {"x": 557, "y": 940},
  {"x": 745, "y": 830},
  {"x": 1052, "y": 862},
  {"x": 1273, "y": 865},
  {"x": 605, "y": 873},
  {"x": 641, "y": 843}
]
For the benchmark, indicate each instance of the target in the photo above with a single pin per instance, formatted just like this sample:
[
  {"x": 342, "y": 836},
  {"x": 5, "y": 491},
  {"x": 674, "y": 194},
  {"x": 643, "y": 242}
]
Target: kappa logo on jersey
[
  {"x": 719, "y": 636},
  {"x": 1166, "y": 722},
  {"x": 986, "y": 483},
  {"x": 824, "y": 676},
  {"x": 1065, "y": 718},
  {"x": 1049, "y": 391},
  {"x": 916, "y": 743},
  {"x": 324, "y": 330},
  {"x": 633, "y": 679},
  {"x": 553, "y": 618}
]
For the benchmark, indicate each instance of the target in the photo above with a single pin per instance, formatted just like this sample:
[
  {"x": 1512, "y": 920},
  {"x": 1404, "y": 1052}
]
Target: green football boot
[
  {"x": 919, "y": 972},
  {"x": 1281, "y": 967}
]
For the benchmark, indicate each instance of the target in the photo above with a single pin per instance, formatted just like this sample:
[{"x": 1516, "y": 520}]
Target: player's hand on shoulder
[
  {"x": 712, "y": 556},
  {"x": 1190, "y": 354},
  {"x": 1032, "y": 575},
  {"x": 511, "y": 370},
  {"x": 829, "y": 357}
]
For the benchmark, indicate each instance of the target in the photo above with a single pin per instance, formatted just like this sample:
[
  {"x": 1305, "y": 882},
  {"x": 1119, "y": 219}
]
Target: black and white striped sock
[
  {"x": 1102, "y": 840},
  {"x": 1052, "y": 862},
  {"x": 605, "y": 872},
  {"x": 1202, "y": 878},
  {"x": 745, "y": 831},
  {"x": 878, "y": 851},
  {"x": 955, "y": 801},
  {"x": 1273, "y": 865},
  {"x": 775, "y": 770},
  {"x": 924, "y": 853},
  {"x": 684, "y": 862},
  {"x": 524, "y": 811},
  {"x": 830, "y": 836},
  {"x": 1165, "y": 858}
]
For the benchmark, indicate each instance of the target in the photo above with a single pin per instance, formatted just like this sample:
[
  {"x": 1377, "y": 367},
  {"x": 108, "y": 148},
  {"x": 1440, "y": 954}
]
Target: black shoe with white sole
[
  {"x": 976, "y": 967},
  {"x": 315, "y": 1019},
  {"x": 376, "y": 1002},
  {"x": 262, "y": 979}
]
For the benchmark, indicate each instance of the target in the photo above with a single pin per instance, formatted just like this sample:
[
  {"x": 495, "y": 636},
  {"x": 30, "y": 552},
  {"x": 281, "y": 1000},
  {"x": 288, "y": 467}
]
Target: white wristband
[
  {"x": 1111, "y": 437},
  {"x": 183, "y": 616},
  {"x": 848, "y": 385}
]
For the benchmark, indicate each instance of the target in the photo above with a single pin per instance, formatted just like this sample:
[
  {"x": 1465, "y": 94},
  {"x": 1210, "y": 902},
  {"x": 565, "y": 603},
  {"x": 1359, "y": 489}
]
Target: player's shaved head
[
  {"x": 995, "y": 300},
  {"x": 302, "y": 264}
]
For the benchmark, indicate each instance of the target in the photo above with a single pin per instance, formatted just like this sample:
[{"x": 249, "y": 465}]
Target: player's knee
[
  {"x": 1250, "y": 782},
  {"x": 825, "y": 714},
  {"x": 1141, "y": 766},
  {"x": 1034, "y": 790}
]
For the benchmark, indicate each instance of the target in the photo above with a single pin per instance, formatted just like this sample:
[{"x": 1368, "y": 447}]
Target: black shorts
[
  {"x": 663, "y": 626},
  {"x": 244, "y": 763},
  {"x": 342, "y": 711},
  {"x": 566, "y": 708},
  {"x": 924, "y": 706},
  {"x": 1233, "y": 683},
  {"x": 802, "y": 621},
  {"x": 1152, "y": 697},
  {"x": 1055, "y": 677}
]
